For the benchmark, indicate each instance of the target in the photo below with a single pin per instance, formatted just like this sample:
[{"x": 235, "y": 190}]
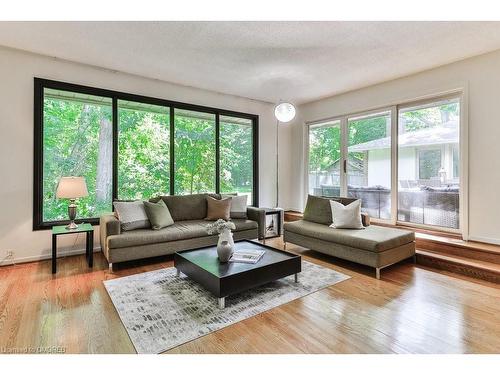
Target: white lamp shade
[
  {"x": 284, "y": 112},
  {"x": 72, "y": 187}
]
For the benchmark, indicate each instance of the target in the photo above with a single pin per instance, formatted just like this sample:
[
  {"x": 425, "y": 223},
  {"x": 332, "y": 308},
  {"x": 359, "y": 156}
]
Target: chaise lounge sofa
[
  {"x": 188, "y": 232},
  {"x": 374, "y": 246}
]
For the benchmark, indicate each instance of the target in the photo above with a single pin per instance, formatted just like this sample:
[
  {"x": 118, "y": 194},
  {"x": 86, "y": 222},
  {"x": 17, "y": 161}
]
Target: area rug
[{"x": 161, "y": 310}]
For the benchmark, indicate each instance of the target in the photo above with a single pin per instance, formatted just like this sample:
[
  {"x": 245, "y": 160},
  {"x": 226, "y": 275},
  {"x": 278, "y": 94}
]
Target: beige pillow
[{"x": 218, "y": 208}]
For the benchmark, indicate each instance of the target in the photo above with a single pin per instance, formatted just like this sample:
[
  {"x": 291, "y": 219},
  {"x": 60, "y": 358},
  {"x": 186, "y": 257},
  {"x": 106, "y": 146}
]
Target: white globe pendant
[{"x": 284, "y": 112}]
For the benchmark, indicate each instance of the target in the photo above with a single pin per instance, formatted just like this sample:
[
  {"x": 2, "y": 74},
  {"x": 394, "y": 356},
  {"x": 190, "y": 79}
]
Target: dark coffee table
[{"x": 224, "y": 279}]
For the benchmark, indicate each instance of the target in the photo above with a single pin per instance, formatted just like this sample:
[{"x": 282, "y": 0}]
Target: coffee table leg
[
  {"x": 91, "y": 248},
  {"x": 54, "y": 252},
  {"x": 296, "y": 277},
  {"x": 222, "y": 302},
  {"x": 178, "y": 272}
]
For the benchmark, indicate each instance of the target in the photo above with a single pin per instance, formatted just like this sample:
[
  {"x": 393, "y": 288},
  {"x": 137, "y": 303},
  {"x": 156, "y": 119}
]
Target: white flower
[{"x": 219, "y": 226}]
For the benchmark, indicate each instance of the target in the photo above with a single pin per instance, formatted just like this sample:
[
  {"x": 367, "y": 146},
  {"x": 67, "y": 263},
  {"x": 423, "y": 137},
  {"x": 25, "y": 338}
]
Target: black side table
[
  {"x": 277, "y": 223},
  {"x": 89, "y": 243}
]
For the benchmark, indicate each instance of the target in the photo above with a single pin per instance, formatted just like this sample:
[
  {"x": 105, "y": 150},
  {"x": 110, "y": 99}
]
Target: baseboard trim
[
  {"x": 492, "y": 241},
  {"x": 37, "y": 258}
]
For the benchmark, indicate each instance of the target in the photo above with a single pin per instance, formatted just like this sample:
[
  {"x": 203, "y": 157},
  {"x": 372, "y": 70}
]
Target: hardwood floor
[{"x": 410, "y": 310}]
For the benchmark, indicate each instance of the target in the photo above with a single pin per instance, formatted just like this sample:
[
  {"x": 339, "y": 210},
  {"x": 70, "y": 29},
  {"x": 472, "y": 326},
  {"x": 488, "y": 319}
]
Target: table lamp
[{"x": 72, "y": 188}]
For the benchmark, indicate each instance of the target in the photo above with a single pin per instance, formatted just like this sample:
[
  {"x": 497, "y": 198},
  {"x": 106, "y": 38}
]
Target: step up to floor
[
  {"x": 457, "y": 247},
  {"x": 466, "y": 266}
]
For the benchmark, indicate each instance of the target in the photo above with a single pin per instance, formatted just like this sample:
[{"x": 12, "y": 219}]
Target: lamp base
[
  {"x": 72, "y": 215},
  {"x": 72, "y": 225}
]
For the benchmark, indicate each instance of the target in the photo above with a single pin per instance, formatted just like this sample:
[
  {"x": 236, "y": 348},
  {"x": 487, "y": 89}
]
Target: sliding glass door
[
  {"x": 369, "y": 163},
  {"x": 324, "y": 166},
  {"x": 429, "y": 164},
  {"x": 411, "y": 177},
  {"x": 236, "y": 156}
]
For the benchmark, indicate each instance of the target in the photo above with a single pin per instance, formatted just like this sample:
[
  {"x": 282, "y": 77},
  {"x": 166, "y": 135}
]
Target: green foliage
[
  {"x": 324, "y": 142},
  {"x": 194, "y": 155},
  {"x": 71, "y": 143},
  {"x": 423, "y": 118},
  {"x": 365, "y": 130},
  {"x": 236, "y": 158},
  {"x": 143, "y": 153},
  {"x": 73, "y": 140},
  {"x": 324, "y": 147}
]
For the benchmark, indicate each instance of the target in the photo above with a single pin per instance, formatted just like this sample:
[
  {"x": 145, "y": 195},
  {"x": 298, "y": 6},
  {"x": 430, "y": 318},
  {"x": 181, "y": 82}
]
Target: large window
[
  {"x": 77, "y": 139},
  {"x": 428, "y": 164},
  {"x": 143, "y": 150},
  {"x": 324, "y": 159},
  {"x": 236, "y": 156},
  {"x": 369, "y": 163},
  {"x": 194, "y": 152},
  {"x": 134, "y": 147},
  {"x": 353, "y": 156}
]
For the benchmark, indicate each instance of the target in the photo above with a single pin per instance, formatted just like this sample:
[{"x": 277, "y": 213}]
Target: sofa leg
[
  {"x": 110, "y": 267},
  {"x": 284, "y": 245},
  {"x": 377, "y": 273},
  {"x": 414, "y": 259}
]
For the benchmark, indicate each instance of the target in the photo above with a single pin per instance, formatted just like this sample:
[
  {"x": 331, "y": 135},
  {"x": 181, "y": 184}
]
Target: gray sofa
[
  {"x": 374, "y": 246},
  {"x": 188, "y": 232}
]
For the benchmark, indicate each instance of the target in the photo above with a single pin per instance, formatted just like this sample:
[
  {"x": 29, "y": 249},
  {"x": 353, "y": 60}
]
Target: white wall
[
  {"x": 17, "y": 70},
  {"x": 481, "y": 78}
]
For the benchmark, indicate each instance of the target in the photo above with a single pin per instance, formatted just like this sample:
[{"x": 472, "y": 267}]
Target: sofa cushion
[
  {"x": 373, "y": 238},
  {"x": 181, "y": 230},
  {"x": 318, "y": 210},
  {"x": 187, "y": 207},
  {"x": 131, "y": 214},
  {"x": 158, "y": 214},
  {"x": 218, "y": 208}
]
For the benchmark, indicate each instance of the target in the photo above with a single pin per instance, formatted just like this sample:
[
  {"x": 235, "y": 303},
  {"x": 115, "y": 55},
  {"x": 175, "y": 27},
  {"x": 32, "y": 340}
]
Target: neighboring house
[
  {"x": 426, "y": 157},
  {"x": 331, "y": 177}
]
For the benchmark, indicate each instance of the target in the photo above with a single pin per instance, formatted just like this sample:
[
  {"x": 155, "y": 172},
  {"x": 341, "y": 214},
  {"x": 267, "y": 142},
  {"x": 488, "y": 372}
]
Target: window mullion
[
  {"x": 394, "y": 164},
  {"x": 217, "y": 153},
  {"x": 172, "y": 150},
  {"x": 343, "y": 156},
  {"x": 115, "y": 150}
]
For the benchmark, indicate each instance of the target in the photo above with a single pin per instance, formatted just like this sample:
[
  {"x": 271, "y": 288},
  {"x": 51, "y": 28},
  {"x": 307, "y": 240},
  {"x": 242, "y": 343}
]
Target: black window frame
[{"x": 41, "y": 83}]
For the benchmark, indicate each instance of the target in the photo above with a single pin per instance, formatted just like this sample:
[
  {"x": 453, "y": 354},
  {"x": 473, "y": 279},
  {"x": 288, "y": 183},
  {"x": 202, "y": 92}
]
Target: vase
[{"x": 225, "y": 246}]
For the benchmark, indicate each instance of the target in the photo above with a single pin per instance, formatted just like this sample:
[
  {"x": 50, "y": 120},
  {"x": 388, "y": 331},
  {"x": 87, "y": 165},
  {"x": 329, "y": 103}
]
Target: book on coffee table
[{"x": 247, "y": 256}]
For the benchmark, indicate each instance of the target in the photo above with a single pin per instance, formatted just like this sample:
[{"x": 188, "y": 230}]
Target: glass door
[
  {"x": 429, "y": 164},
  {"x": 368, "y": 163},
  {"x": 324, "y": 159}
]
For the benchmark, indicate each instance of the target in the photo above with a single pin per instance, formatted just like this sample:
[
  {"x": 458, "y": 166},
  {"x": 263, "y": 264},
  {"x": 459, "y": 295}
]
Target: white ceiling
[{"x": 269, "y": 61}]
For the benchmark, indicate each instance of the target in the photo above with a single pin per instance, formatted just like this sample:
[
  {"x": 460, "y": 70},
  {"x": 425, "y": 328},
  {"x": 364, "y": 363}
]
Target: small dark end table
[
  {"x": 89, "y": 243},
  {"x": 277, "y": 217}
]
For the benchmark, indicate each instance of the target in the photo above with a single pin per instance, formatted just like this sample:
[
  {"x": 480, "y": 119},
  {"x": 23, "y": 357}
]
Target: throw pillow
[
  {"x": 218, "y": 208},
  {"x": 346, "y": 217},
  {"x": 131, "y": 215},
  {"x": 158, "y": 214},
  {"x": 238, "y": 208},
  {"x": 318, "y": 210}
]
